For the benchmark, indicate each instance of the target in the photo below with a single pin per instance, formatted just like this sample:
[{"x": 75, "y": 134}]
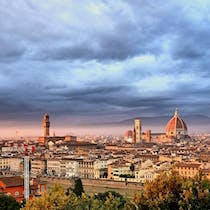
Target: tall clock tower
[
  {"x": 46, "y": 125},
  {"x": 137, "y": 131}
]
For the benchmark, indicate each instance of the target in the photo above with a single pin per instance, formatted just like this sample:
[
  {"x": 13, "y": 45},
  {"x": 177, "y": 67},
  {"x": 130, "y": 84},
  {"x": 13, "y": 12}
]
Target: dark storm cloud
[
  {"x": 110, "y": 99},
  {"x": 102, "y": 90},
  {"x": 102, "y": 47},
  {"x": 15, "y": 109}
]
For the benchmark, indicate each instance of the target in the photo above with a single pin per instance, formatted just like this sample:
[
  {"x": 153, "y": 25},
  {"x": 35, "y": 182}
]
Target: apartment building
[
  {"x": 86, "y": 169},
  {"x": 16, "y": 164},
  {"x": 188, "y": 169},
  {"x": 71, "y": 167},
  {"x": 4, "y": 164},
  {"x": 119, "y": 168},
  {"x": 100, "y": 169},
  {"x": 54, "y": 167},
  {"x": 38, "y": 166}
]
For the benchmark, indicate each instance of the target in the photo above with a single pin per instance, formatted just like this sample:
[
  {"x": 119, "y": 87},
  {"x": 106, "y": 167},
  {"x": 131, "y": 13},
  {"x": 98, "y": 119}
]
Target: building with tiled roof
[{"x": 13, "y": 186}]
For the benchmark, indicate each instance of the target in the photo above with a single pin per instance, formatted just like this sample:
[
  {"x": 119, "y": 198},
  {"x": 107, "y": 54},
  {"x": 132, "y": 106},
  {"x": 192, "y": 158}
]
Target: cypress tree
[{"x": 78, "y": 187}]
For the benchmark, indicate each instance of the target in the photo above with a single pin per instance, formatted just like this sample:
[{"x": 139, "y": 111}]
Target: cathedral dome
[{"x": 176, "y": 126}]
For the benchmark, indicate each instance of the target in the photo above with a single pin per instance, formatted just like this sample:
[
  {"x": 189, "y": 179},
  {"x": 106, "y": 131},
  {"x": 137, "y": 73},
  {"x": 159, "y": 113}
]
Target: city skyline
[{"x": 101, "y": 61}]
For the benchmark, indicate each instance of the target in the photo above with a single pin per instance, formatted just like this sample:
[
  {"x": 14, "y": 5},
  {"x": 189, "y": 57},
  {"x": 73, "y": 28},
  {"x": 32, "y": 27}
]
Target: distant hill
[
  {"x": 195, "y": 123},
  {"x": 162, "y": 120}
]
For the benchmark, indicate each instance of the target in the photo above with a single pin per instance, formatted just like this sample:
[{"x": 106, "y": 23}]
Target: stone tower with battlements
[{"x": 46, "y": 125}]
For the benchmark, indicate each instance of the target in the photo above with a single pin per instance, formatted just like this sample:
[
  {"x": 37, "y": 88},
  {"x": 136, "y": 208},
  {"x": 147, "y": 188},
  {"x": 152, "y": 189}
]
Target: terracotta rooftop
[
  {"x": 206, "y": 170},
  {"x": 12, "y": 181},
  {"x": 192, "y": 165}
]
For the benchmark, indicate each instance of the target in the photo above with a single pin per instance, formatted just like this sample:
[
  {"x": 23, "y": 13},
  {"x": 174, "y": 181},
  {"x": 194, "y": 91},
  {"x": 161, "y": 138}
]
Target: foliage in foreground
[
  {"x": 8, "y": 203},
  {"x": 167, "y": 192},
  {"x": 56, "y": 199},
  {"x": 174, "y": 192}
]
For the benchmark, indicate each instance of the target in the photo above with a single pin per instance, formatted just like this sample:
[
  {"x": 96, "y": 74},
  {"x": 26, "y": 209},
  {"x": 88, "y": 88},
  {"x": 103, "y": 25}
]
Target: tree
[
  {"x": 55, "y": 199},
  {"x": 174, "y": 192},
  {"x": 105, "y": 195},
  {"x": 8, "y": 203},
  {"x": 113, "y": 200},
  {"x": 132, "y": 167},
  {"x": 78, "y": 187},
  {"x": 196, "y": 194}
]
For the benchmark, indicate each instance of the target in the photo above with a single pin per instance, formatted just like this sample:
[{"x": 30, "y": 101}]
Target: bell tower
[
  {"x": 46, "y": 125},
  {"x": 137, "y": 131}
]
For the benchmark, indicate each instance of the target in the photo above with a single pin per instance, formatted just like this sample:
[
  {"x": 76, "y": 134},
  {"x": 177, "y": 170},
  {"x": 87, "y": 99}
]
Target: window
[{"x": 42, "y": 188}]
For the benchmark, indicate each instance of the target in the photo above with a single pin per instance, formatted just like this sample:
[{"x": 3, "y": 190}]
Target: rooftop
[{"x": 12, "y": 181}]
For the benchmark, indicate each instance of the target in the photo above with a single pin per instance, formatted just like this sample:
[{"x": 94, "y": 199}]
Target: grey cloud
[
  {"x": 95, "y": 91},
  {"x": 112, "y": 97},
  {"x": 10, "y": 50},
  {"x": 192, "y": 43}
]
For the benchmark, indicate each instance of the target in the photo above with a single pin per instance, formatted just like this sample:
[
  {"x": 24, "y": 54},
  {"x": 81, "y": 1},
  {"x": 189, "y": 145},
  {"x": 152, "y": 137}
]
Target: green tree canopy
[
  {"x": 173, "y": 192},
  {"x": 8, "y": 203},
  {"x": 132, "y": 167},
  {"x": 55, "y": 199},
  {"x": 78, "y": 187}
]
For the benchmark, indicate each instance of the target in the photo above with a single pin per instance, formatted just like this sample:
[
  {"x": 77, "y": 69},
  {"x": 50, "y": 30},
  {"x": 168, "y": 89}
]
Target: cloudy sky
[{"x": 102, "y": 60}]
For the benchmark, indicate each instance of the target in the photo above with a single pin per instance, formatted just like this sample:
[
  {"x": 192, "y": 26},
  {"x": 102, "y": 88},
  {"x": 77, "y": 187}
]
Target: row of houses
[
  {"x": 11, "y": 164},
  {"x": 114, "y": 169},
  {"x": 66, "y": 167}
]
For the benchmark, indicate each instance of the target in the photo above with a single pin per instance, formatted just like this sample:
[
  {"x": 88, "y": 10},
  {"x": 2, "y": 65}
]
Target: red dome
[{"x": 176, "y": 125}]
